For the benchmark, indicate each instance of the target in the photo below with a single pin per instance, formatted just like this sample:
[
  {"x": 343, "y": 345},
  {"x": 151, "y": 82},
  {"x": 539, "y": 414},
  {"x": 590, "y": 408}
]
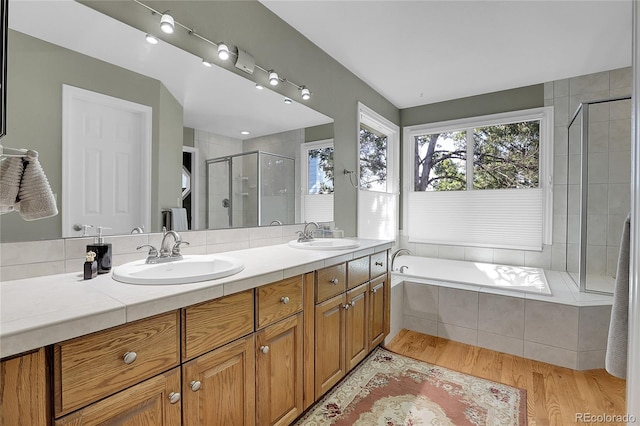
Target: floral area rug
[{"x": 388, "y": 389}]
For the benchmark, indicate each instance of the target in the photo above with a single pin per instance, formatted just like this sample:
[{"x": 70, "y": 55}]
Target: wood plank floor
[{"x": 554, "y": 394}]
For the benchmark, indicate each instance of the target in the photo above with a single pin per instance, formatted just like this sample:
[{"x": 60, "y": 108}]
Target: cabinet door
[
  {"x": 330, "y": 343},
  {"x": 23, "y": 390},
  {"x": 378, "y": 315},
  {"x": 155, "y": 401},
  {"x": 357, "y": 325},
  {"x": 219, "y": 386},
  {"x": 279, "y": 372}
]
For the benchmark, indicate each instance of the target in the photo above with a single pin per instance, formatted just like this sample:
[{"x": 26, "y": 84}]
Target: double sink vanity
[{"x": 258, "y": 346}]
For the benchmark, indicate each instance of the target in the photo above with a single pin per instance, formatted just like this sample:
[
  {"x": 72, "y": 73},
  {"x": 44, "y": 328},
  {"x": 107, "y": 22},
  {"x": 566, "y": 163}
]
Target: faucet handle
[
  {"x": 152, "y": 250},
  {"x": 175, "y": 251}
]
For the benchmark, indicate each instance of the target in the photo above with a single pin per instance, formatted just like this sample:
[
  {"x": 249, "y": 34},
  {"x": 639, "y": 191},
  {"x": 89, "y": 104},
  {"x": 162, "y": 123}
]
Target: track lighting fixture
[
  {"x": 305, "y": 93},
  {"x": 167, "y": 24},
  {"x": 151, "y": 39},
  {"x": 206, "y": 63},
  {"x": 223, "y": 51},
  {"x": 273, "y": 78}
]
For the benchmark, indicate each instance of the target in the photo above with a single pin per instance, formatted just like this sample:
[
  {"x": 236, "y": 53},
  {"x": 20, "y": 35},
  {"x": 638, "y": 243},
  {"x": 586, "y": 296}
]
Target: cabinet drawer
[
  {"x": 357, "y": 272},
  {"x": 214, "y": 323},
  {"x": 378, "y": 264},
  {"x": 330, "y": 281},
  {"x": 91, "y": 367},
  {"x": 278, "y": 300}
]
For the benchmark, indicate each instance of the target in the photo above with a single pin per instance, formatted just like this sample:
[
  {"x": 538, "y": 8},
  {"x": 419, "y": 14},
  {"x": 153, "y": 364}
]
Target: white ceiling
[
  {"x": 214, "y": 99},
  {"x": 420, "y": 52}
]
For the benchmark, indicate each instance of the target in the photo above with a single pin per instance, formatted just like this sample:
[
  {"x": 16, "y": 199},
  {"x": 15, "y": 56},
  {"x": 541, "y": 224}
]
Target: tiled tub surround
[
  {"x": 39, "y": 258},
  {"x": 568, "y": 329},
  {"x": 39, "y": 311}
]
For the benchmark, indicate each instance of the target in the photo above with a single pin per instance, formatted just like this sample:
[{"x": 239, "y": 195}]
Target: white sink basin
[
  {"x": 325, "y": 244},
  {"x": 190, "y": 269}
]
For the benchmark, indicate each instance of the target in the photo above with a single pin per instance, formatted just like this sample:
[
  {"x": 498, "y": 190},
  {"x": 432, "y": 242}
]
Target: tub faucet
[{"x": 396, "y": 254}]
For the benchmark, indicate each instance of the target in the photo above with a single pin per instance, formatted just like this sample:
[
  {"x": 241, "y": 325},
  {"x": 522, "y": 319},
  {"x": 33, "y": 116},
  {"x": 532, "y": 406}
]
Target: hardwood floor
[{"x": 554, "y": 394}]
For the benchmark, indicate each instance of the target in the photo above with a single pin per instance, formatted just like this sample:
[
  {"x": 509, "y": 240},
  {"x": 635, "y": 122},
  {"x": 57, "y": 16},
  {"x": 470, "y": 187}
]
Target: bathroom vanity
[{"x": 258, "y": 347}]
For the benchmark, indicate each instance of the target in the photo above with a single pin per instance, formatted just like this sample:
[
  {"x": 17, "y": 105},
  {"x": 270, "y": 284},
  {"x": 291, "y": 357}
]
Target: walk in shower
[
  {"x": 598, "y": 193},
  {"x": 250, "y": 189}
]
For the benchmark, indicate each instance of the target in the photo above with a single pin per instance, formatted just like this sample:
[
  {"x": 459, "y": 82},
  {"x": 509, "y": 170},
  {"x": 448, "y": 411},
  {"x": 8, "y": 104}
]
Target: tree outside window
[
  {"x": 505, "y": 156},
  {"x": 373, "y": 159}
]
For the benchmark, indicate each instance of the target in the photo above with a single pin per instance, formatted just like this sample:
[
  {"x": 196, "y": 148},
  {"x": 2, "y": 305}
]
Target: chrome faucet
[
  {"x": 306, "y": 234},
  {"x": 166, "y": 253},
  {"x": 398, "y": 253}
]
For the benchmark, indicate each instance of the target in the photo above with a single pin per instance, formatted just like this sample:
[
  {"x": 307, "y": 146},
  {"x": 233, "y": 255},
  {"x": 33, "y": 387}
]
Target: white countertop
[{"x": 36, "y": 312}]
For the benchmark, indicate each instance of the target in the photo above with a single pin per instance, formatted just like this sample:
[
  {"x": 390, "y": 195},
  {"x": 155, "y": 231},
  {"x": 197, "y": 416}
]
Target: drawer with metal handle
[
  {"x": 278, "y": 300},
  {"x": 330, "y": 281}
]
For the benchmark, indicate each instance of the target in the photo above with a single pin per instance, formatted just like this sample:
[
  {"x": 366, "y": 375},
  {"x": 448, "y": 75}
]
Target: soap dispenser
[
  {"x": 102, "y": 251},
  {"x": 90, "y": 266}
]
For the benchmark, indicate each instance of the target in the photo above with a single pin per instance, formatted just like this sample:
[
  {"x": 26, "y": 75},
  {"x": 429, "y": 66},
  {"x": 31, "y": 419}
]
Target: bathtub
[{"x": 504, "y": 277}]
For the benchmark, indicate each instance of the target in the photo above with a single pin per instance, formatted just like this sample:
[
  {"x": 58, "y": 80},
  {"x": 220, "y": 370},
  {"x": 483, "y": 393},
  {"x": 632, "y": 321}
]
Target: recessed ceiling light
[
  {"x": 206, "y": 63},
  {"x": 287, "y": 101},
  {"x": 259, "y": 86},
  {"x": 244, "y": 132}
]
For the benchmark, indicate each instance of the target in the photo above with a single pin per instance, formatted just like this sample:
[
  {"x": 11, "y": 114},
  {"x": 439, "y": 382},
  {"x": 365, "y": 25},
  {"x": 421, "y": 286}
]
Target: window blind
[
  {"x": 484, "y": 218},
  {"x": 377, "y": 215},
  {"x": 318, "y": 208}
]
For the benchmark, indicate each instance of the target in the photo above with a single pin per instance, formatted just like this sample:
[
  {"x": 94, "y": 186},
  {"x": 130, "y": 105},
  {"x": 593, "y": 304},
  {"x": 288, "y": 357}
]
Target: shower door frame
[{"x": 584, "y": 186}]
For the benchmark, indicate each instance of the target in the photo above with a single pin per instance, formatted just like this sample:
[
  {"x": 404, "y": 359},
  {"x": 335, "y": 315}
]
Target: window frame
[
  {"x": 543, "y": 114},
  {"x": 304, "y": 173}
]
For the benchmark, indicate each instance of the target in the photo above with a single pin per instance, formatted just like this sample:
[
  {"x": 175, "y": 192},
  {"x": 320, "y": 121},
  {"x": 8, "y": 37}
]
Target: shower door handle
[{"x": 225, "y": 203}]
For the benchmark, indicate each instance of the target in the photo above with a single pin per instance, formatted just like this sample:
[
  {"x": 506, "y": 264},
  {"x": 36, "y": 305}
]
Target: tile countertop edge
[{"x": 138, "y": 302}]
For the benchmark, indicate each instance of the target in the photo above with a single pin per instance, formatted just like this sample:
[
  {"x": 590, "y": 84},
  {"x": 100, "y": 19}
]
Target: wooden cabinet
[
  {"x": 94, "y": 366},
  {"x": 279, "y": 370},
  {"x": 219, "y": 387},
  {"x": 24, "y": 385},
  {"x": 349, "y": 324},
  {"x": 278, "y": 300},
  {"x": 211, "y": 324},
  {"x": 357, "y": 325},
  {"x": 330, "y": 282},
  {"x": 330, "y": 343},
  {"x": 155, "y": 401}
]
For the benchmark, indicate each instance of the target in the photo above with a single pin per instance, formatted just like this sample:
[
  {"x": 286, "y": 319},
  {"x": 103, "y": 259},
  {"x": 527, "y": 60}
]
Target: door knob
[
  {"x": 174, "y": 397},
  {"x": 195, "y": 385},
  {"x": 284, "y": 300},
  {"x": 129, "y": 357},
  {"x": 333, "y": 281},
  {"x": 264, "y": 349}
]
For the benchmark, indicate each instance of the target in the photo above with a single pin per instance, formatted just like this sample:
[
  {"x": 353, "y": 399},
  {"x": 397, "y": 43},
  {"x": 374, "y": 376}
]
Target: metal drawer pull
[
  {"x": 378, "y": 263},
  {"x": 264, "y": 349},
  {"x": 346, "y": 307},
  {"x": 129, "y": 357},
  {"x": 353, "y": 303},
  {"x": 174, "y": 397},
  {"x": 195, "y": 385},
  {"x": 284, "y": 300},
  {"x": 374, "y": 290},
  {"x": 333, "y": 281}
]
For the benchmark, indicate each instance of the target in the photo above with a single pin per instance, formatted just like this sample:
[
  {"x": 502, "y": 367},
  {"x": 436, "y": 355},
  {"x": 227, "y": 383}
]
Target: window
[
  {"x": 483, "y": 181},
  {"x": 378, "y": 180},
  {"x": 317, "y": 181}
]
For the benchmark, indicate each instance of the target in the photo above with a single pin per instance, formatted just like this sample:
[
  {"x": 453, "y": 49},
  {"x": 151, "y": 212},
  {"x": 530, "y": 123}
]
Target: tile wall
[
  {"x": 39, "y": 258},
  {"x": 565, "y": 335}
]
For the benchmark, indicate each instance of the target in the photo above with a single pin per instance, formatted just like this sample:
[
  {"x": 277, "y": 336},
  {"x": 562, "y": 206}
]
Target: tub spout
[{"x": 396, "y": 254}]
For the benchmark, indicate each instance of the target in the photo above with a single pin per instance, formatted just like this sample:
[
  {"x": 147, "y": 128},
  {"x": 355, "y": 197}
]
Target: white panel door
[{"x": 105, "y": 162}]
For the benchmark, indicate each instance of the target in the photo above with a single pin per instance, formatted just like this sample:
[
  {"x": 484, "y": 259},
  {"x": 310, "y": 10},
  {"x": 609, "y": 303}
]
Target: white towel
[
  {"x": 179, "y": 219},
  {"x": 11, "y": 169},
  {"x": 36, "y": 200},
  {"x": 616, "y": 356}
]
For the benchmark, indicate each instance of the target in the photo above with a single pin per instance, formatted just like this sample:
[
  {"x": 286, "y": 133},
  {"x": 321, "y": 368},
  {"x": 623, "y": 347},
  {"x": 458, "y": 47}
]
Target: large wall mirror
[{"x": 197, "y": 117}]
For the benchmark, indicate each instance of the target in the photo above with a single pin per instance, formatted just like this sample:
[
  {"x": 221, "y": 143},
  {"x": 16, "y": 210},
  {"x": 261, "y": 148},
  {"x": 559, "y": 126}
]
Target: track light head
[
  {"x": 223, "y": 51},
  {"x": 150, "y": 39},
  {"x": 167, "y": 24},
  {"x": 305, "y": 93},
  {"x": 273, "y": 78}
]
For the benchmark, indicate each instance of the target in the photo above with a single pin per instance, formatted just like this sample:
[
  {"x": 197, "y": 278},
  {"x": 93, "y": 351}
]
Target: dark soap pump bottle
[
  {"x": 102, "y": 251},
  {"x": 90, "y": 266}
]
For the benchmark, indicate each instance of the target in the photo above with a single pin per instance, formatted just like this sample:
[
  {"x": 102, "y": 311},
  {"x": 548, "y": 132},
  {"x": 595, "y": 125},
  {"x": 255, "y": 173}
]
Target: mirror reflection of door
[
  {"x": 190, "y": 185},
  {"x": 105, "y": 137}
]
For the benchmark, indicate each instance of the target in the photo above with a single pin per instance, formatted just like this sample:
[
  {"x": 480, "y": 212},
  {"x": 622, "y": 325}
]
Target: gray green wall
[
  {"x": 36, "y": 72},
  {"x": 274, "y": 44}
]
